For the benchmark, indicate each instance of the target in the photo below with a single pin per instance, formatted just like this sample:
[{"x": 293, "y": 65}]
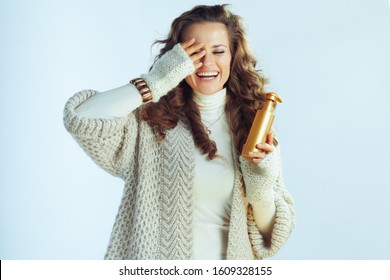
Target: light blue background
[{"x": 329, "y": 60}]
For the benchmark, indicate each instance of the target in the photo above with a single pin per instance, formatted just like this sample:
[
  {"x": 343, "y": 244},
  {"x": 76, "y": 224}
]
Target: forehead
[{"x": 208, "y": 33}]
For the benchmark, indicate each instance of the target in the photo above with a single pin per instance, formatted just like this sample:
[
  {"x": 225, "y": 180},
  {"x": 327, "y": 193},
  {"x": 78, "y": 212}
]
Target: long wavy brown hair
[{"x": 244, "y": 85}]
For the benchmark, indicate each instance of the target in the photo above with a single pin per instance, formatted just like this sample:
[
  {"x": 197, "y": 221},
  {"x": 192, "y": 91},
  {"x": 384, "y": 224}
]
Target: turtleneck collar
[{"x": 208, "y": 102}]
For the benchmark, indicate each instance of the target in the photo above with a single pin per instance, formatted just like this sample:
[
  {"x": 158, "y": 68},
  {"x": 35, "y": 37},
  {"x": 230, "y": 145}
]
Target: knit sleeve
[
  {"x": 109, "y": 142},
  {"x": 285, "y": 214}
]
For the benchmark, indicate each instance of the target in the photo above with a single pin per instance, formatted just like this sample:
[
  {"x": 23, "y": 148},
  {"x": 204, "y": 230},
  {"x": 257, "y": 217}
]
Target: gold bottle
[{"x": 261, "y": 124}]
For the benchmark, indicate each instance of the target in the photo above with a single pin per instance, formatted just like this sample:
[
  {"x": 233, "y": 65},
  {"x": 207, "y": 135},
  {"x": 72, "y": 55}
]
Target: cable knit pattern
[
  {"x": 168, "y": 71},
  {"x": 154, "y": 220},
  {"x": 177, "y": 195}
]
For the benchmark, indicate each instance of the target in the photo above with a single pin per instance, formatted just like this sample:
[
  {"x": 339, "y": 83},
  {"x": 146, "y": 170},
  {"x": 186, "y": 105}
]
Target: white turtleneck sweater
[{"x": 214, "y": 181}]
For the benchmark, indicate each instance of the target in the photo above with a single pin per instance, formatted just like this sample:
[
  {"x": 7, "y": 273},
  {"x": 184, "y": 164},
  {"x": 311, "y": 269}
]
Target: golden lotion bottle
[{"x": 261, "y": 124}]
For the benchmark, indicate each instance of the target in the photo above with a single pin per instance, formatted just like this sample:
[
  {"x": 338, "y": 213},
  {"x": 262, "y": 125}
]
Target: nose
[{"x": 207, "y": 59}]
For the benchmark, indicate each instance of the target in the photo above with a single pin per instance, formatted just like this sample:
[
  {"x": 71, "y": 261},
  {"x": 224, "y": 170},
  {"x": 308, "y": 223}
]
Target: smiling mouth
[{"x": 207, "y": 75}]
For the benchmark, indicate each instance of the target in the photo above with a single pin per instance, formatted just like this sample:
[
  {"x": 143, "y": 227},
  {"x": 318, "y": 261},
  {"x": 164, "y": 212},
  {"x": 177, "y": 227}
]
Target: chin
[{"x": 208, "y": 90}]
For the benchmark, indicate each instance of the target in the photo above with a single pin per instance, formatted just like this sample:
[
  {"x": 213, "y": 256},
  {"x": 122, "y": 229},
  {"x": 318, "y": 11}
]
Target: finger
[
  {"x": 195, "y": 48},
  {"x": 270, "y": 138},
  {"x": 257, "y": 155},
  {"x": 265, "y": 147},
  {"x": 198, "y": 55},
  {"x": 258, "y": 159},
  {"x": 197, "y": 65},
  {"x": 188, "y": 43}
]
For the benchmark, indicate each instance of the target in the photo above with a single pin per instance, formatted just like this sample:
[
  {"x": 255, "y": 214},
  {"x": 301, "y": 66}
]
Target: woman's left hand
[{"x": 264, "y": 149}]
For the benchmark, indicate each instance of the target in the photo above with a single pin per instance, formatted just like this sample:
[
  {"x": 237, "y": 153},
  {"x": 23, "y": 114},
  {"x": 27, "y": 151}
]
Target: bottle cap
[{"x": 274, "y": 97}]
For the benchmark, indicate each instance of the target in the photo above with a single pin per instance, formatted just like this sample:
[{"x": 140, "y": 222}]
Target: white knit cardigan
[{"x": 154, "y": 220}]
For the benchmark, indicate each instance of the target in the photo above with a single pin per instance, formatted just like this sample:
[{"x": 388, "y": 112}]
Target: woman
[{"x": 175, "y": 136}]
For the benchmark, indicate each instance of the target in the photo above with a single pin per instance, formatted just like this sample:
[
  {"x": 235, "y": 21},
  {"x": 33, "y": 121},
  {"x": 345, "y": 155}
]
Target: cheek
[
  {"x": 225, "y": 64},
  {"x": 226, "y": 68},
  {"x": 190, "y": 80}
]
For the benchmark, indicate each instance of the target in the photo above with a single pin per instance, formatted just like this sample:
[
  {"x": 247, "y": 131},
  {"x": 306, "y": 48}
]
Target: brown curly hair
[{"x": 244, "y": 85}]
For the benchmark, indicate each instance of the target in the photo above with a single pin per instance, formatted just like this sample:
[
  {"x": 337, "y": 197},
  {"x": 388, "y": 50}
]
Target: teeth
[{"x": 207, "y": 74}]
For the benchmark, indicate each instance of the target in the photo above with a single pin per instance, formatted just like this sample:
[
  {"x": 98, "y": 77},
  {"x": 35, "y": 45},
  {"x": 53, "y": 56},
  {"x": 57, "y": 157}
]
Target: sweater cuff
[
  {"x": 168, "y": 72},
  {"x": 259, "y": 181},
  {"x": 268, "y": 166}
]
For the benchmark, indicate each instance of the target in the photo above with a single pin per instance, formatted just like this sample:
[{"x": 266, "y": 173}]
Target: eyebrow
[{"x": 220, "y": 45}]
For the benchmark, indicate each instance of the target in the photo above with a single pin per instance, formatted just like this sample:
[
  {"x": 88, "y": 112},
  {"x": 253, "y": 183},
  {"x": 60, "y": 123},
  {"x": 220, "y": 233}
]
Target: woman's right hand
[
  {"x": 174, "y": 66},
  {"x": 194, "y": 51}
]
